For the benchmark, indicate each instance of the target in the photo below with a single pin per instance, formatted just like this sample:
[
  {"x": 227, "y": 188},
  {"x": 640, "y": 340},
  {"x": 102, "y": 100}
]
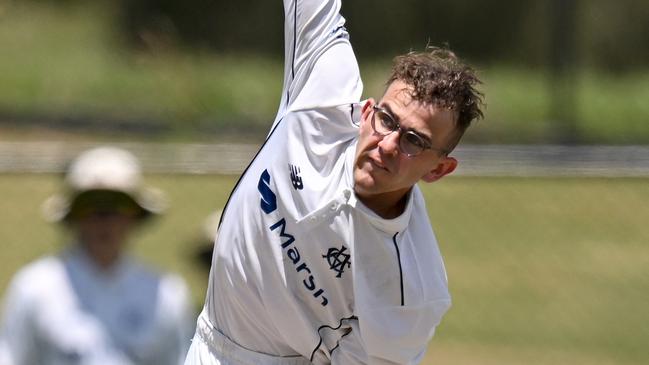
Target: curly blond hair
[{"x": 439, "y": 78}]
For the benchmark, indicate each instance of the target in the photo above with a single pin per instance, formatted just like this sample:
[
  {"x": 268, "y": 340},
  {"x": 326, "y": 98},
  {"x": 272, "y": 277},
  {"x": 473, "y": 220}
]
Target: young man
[
  {"x": 325, "y": 253},
  {"x": 92, "y": 303}
]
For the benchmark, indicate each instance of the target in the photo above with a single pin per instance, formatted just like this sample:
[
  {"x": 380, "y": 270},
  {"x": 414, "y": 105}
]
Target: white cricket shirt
[
  {"x": 62, "y": 310},
  {"x": 301, "y": 266}
]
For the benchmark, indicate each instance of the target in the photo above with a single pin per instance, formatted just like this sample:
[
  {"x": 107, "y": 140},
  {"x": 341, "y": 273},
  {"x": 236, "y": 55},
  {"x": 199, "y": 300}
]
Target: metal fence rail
[{"x": 475, "y": 160}]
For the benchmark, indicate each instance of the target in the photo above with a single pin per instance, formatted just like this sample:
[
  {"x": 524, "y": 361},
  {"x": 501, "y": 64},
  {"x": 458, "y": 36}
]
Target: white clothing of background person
[{"x": 62, "y": 310}]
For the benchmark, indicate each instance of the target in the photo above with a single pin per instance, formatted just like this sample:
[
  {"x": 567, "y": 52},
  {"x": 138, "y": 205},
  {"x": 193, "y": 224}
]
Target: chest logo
[
  {"x": 338, "y": 260},
  {"x": 296, "y": 179},
  {"x": 268, "y": 201}
]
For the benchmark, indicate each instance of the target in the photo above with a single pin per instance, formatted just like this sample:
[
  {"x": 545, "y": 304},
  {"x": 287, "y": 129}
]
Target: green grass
[
  {"x": 542, "y": 271},
  {"x": 67, "y": 61},
  {"x": 547, "y": 264}
]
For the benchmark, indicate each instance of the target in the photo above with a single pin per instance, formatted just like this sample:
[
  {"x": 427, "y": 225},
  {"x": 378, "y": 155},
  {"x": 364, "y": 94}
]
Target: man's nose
[{"x": 390, "y": 143}]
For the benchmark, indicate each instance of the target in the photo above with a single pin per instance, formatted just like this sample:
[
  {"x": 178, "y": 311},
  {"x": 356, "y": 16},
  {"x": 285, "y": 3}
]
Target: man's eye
[
  {"x": 387, "y": 121},
  {"x": 415, "y": 140}
]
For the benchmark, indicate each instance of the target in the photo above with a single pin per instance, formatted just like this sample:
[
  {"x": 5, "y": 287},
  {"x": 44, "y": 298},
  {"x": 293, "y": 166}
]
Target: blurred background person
[
  {"x": 93, "y": 303},
  {"x": 205, "y": 243}
]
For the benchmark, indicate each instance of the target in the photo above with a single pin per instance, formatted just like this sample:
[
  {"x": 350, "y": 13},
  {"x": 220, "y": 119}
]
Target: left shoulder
[
  {"x": 344, "y": 116},
  {"x": 318, "y": 131}
]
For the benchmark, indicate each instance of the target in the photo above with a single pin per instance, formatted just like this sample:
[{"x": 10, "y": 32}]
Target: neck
[
  {"x": 104, "y": 258},
  {"x": 386, "y": 205}
]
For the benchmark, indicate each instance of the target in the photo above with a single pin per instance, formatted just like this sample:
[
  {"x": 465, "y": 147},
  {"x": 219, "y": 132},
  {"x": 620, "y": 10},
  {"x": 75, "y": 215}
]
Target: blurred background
[{"x": 543, "y": 227}]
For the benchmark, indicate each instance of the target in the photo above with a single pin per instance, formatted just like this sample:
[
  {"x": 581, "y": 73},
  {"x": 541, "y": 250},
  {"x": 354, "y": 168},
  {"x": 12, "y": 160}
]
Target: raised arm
[{"x": 320, "y": 68}]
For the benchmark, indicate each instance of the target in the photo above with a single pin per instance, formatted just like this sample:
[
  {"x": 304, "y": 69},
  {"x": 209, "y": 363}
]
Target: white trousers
[{"x": 211, "y": 347}]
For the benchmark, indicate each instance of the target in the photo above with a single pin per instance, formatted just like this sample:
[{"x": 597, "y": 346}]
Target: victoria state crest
[{"x": 338, "y": 259}]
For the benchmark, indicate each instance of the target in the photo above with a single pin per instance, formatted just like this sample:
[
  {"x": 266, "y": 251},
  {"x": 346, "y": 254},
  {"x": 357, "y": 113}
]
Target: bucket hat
[{"x": 108, "y": 173}]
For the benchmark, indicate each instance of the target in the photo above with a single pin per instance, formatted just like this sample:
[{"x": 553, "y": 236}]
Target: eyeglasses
[{"x": 410, "y": 142}]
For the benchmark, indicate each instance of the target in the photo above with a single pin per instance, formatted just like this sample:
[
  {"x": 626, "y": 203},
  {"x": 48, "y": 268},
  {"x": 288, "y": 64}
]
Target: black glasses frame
[{"x": 404, "y": 134}]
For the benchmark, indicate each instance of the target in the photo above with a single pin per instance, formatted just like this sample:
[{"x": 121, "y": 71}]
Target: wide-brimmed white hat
[{"x": 104, "y": 169}]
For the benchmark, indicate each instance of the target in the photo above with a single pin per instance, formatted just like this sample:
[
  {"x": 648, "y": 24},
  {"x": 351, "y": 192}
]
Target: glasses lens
[
  {"x": 411, "y": 143},
  {"x": 383, "y": 122}
]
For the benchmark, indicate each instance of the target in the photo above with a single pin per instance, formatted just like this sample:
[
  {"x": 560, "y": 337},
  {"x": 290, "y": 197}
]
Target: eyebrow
[{"x": 387, "y": 107}]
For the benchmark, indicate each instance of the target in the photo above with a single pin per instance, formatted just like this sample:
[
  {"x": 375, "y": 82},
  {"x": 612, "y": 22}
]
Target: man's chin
[{"x": 365, "y": 184}]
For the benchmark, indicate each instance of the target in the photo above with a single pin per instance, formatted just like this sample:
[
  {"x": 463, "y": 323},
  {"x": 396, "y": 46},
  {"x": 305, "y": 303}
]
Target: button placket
[{"x": 327, "y": 210}]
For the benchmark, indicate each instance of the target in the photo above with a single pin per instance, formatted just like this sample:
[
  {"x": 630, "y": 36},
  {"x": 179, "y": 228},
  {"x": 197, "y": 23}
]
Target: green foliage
[{"x": 611, "y": 35}]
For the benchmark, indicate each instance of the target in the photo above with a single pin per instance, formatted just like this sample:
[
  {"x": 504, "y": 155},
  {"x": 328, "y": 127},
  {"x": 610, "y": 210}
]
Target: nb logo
[
  {"x": 268, "y": 198},
  {"x": 296, "y": 180},
  {"x": 338, "y": 260}
]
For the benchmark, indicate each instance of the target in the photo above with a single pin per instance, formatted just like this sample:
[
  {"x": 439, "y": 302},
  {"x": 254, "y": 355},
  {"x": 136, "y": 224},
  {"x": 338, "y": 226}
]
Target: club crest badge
[{"x": 338, "y": 260}]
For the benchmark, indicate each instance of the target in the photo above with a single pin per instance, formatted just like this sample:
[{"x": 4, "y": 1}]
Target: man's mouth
[{"x": 378, "y": 164}]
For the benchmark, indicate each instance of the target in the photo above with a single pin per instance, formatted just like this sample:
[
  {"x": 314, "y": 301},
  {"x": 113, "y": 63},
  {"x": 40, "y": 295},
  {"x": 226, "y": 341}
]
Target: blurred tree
[
  {"x": 475, "y": 29},
  {"x": 214, "y": 24},
  {"x": 614, "y": 34},
  {"x": 610, "y": 35}
]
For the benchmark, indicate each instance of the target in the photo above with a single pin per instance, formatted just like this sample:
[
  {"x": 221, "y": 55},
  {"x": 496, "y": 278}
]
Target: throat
[{"x": 386, "y": 205}]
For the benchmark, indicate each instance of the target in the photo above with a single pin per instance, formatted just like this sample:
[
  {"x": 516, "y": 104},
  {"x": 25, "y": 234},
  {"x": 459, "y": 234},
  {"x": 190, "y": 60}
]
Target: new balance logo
[{"x": 296, "y": 180}]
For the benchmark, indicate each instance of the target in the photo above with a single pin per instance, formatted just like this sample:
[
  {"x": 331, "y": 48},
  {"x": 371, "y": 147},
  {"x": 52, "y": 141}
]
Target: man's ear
[
  {"x": 367, "y": 108},
  {"x": 444, "y": 167}
]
